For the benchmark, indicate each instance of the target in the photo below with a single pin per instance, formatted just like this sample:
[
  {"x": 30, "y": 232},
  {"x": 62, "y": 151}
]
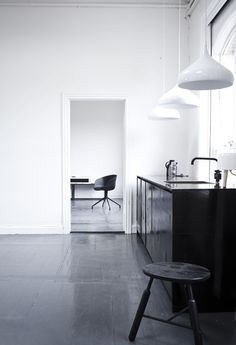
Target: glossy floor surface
[
  {"x": 98, "y": 219},
  {"x": 83, "y": 289}
]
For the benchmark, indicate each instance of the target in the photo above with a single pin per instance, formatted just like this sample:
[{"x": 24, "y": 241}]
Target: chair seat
[{"x": 177, "y": 271}]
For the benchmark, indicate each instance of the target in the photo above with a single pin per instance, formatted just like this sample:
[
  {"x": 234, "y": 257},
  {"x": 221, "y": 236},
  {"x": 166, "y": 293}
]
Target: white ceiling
[{"x": 95, "y": 2}]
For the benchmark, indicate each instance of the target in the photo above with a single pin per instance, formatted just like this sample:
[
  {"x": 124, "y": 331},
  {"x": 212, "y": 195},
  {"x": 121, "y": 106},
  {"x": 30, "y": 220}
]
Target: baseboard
[
  {"x": 98, "y": 232},
  {"x": 96, "y": 198},
  {"x": 10, "y": 229}
]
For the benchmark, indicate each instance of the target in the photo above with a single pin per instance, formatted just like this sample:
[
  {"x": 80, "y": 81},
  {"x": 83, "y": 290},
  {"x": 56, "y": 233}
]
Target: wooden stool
[{"x": 178, "y": 272}]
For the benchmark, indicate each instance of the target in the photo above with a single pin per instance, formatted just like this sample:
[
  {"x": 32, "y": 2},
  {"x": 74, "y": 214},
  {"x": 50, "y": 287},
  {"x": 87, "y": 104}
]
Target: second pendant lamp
[{"x": 177, "y": 98}]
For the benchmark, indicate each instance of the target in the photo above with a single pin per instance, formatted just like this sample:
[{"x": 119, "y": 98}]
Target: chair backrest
[{"x": 105, "y": 183}]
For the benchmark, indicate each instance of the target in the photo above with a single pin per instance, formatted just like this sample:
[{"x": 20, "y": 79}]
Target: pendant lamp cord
[
  {"x": 163, "y": 47},
  {"x": 179, "y": 39},
  {"x": 209, "y": 99},
  {"x": 205, "y": 23}
]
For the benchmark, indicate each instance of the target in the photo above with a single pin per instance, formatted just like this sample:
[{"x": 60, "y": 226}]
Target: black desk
[{"x": 82, "y": 181}]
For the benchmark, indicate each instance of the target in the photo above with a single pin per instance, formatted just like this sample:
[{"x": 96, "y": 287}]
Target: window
[{"x": 223, "y": 102}]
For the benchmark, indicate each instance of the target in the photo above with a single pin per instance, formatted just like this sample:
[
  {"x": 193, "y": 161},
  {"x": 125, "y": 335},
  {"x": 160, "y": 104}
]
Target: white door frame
[{"x": 66, "y": 193}]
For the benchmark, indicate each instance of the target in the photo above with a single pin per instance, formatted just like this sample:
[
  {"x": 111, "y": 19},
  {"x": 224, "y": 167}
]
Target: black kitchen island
[{"x": 195, "y": 223}]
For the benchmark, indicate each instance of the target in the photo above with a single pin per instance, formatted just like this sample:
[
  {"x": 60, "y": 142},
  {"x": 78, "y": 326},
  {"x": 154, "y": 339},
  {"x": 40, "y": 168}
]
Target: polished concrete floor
[
  {"x": 83, "y": 289},
  {"x": 98, "y": 219}
]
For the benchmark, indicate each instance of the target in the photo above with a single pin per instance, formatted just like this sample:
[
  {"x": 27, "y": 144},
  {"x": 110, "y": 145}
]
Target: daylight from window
[{"x": 223, "y": 115}]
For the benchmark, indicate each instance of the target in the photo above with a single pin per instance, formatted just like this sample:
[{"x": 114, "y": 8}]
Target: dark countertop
[{"x": 160, "y": 181}]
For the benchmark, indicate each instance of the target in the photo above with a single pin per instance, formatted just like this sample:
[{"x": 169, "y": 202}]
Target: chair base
[{"x": 106, "y": 199}]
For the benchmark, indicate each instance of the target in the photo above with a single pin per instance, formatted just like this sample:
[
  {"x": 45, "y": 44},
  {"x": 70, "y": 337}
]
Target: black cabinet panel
[
  {"x": 161, "y": 246},
  {"x": 141, "y": 209},
  {"x": 149, "y": 230},
  {"x": 143, "y": 213},
  {"x": 155, "y": 227}
]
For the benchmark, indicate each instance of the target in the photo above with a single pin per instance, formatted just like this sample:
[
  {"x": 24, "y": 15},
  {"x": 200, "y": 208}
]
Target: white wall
[
  {"x": 97, "y": 143},
  {"x": 47, "y": 51}
]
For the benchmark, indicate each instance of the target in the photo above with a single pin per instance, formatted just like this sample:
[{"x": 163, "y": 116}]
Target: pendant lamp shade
[
  {"x": 159, "y": 113},
  {"x": 205, "y": 74},
  {"x": 178, "y": 98}
]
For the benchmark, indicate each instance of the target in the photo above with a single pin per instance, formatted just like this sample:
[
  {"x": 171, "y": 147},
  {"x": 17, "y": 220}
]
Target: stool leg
[
  {"x": 194, "y": 316},
  {"x": 140, "y": 311}
]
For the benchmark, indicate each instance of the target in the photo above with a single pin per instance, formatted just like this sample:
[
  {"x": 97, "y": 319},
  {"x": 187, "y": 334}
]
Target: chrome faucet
[{"x": 168, "y": 166}]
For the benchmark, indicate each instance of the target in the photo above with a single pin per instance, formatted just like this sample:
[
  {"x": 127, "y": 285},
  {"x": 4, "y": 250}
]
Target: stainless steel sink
[{"x": 187, "y": 181}]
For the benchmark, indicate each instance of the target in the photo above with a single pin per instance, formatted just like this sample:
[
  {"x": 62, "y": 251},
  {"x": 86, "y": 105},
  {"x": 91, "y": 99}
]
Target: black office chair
[{"x": 106, "y": 183}]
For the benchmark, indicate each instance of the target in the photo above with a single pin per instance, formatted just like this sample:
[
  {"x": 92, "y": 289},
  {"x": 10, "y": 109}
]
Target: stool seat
[
  {"x": 184, "y": 274},
  {"x": 180, "y": 272}
]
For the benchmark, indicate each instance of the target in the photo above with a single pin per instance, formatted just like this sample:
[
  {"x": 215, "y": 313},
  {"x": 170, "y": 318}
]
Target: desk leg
[{"x": 72, "y": 191}]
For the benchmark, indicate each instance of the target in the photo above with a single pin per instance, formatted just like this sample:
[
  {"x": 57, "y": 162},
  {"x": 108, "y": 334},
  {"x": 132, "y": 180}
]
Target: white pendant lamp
[
  {"x": 205, "y": 74},
  {"x": 159, "y": 113},
  {"x": 178, "y": 98}
]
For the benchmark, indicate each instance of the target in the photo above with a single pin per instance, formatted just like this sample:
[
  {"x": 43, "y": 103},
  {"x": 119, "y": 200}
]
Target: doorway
[
  {"x": 94, "y": 137},
  {"x": 96, "y": 150}
]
